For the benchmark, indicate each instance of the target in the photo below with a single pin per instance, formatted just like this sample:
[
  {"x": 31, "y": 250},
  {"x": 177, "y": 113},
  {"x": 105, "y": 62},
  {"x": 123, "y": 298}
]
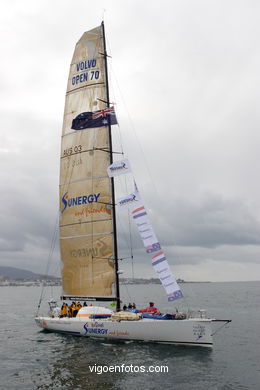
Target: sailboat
[{"x": 88, "y": 231}]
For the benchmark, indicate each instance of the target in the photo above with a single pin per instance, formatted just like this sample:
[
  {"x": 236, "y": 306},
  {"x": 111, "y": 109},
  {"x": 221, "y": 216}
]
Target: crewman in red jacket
[{"x": 151, "y": 309}]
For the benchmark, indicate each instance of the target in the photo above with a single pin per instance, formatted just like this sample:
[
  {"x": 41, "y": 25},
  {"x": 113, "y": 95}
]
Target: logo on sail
[
  {"x": 119, "y": 168},
  {"x": 128, "y": 201},
  {"x": 78, "y": 200},
  {"x": 100, "y": 248}
]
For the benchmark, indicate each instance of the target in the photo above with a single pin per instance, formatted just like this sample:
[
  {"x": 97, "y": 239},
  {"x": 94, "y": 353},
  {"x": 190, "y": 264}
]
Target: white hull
[{"x": 194, "y": 331}]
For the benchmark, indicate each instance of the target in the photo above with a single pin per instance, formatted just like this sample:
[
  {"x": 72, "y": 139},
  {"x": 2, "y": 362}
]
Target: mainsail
[{"x": 86, "y": 211}]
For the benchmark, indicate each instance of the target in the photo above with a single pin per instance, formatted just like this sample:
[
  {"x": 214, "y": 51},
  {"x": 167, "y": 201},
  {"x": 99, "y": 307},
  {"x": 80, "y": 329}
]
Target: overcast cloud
[{"x": 185, "y": 79}]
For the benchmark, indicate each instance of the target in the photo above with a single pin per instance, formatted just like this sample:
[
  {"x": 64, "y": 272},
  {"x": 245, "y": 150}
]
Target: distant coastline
[
  {"x": 10, "y": 276},
  {"x": 151, "y": 281}
]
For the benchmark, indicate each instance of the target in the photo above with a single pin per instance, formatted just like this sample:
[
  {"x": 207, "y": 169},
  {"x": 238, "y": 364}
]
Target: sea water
[{"x": 34, "y": 359}]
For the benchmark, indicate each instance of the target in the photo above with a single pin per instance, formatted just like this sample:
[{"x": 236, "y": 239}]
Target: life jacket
[{"x": 64, "y": 310}]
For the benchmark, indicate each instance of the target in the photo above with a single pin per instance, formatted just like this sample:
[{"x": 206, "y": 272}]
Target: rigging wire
[
  {"x": 51, "y": 251},
  {"x": 125, "y": 188},
  {"x": 130, "y": 234},
  {"x": 140, "y": 147},
  {"x": 122, "y": 180},
  {"x": 117, "y": 137},
  {"x": 127, "y": 293}
]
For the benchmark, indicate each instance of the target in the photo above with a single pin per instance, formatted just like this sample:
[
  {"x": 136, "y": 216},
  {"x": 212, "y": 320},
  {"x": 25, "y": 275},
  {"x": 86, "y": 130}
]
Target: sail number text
[{"x": 73, "y": 150}]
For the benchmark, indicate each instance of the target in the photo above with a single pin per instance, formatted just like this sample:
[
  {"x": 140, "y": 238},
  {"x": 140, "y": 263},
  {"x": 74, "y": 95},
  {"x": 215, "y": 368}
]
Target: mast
[{"x": 112, "y": 179}]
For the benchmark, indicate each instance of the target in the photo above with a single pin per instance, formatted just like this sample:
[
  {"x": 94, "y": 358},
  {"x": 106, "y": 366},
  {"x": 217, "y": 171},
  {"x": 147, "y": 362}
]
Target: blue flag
[{"x": 88, "y": 120}]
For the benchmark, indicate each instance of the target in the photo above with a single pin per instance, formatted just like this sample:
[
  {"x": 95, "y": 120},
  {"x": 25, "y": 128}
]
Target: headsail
[{"x": 86, "y": 217}]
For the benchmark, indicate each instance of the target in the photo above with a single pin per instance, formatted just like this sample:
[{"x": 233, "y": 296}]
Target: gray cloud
[
  {"x": 30, "y": 176},
  {"x": 190, "y": 82},
  {"x": 209, "y": 222}
]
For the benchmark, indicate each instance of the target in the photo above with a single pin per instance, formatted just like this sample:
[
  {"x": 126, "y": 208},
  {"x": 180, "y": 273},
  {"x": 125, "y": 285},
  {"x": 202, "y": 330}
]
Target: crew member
[{"x": 64, "y": 310}]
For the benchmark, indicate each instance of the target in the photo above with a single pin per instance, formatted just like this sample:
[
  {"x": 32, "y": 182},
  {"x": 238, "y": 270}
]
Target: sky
[{"x": 184, "y": 76}]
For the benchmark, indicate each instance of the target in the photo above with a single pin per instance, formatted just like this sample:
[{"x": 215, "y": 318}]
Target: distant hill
[{"x": 17, "y": 273}]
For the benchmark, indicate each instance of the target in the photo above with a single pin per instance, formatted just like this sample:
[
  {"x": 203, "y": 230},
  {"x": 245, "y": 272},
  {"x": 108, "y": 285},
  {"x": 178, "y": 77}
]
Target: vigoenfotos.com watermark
[{"x": 98, "y": 369}]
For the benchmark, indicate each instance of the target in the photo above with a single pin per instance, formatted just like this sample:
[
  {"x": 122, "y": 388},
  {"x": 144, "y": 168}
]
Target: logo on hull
[{"x": 95, "y": 328}]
